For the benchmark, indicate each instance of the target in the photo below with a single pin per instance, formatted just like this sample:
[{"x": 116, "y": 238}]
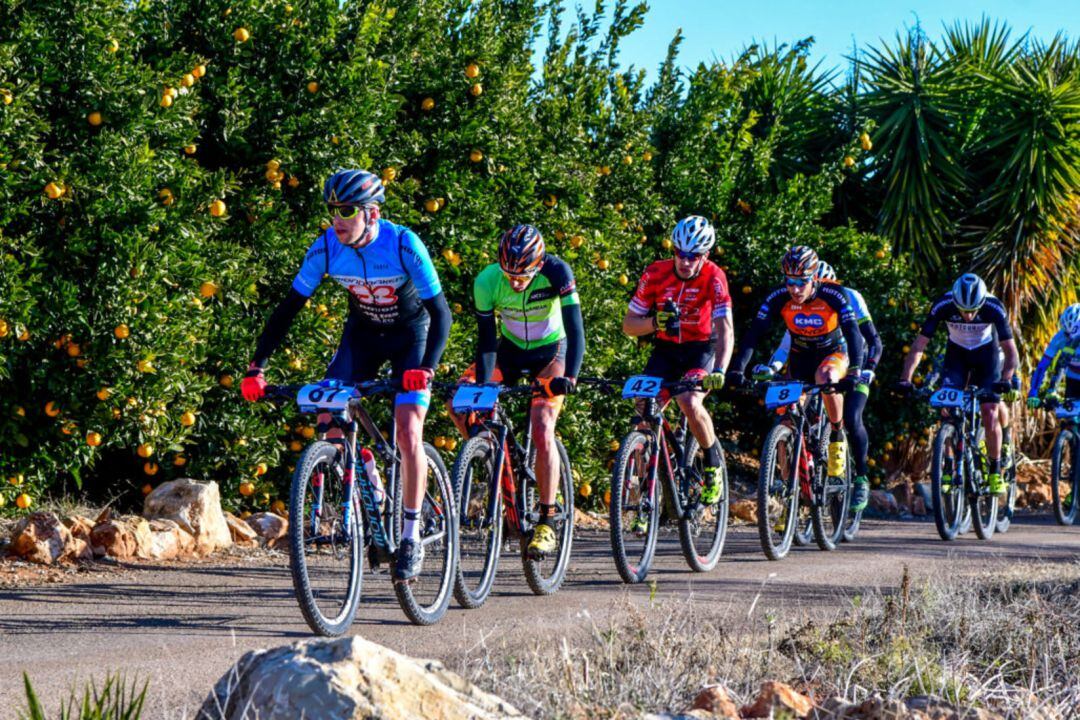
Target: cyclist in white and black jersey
[{"x": 981, "y": 350}]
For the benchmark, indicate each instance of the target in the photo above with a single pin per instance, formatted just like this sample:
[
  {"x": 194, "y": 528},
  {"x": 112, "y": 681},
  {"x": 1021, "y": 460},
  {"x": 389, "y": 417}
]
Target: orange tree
[{"x": 160, "y": 177}]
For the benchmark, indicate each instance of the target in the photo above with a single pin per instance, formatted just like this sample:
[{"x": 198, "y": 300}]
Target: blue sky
[{"x": 721, "y": 28}]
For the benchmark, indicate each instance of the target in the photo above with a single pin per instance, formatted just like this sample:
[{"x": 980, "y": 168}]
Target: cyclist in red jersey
[{"x": 684, "y": 302}]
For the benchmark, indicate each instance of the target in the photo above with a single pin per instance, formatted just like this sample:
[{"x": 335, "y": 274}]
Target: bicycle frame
[
  {"x": 806, "y": 417},
  {"x": 660, "y": 430},
  {"x": 967, "y": 421}
]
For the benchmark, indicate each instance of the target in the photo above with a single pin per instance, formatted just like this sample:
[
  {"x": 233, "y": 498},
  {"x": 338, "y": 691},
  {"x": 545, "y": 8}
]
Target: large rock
[
  {"x": 271, "y": 529},
  {"x": 40, "y": 537},
  {"x": 715, "y": 701},
  {"x": 195, "y": 507},
  {"x": 241, "y": 532},
  {"x": 776, "y": 699},
  {"x": 346, "y": 679},
  {"x": 884, "y": 502},
  {"x": 1039, "y": 494}
]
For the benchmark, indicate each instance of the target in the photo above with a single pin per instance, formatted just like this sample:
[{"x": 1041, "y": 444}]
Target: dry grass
[{"x": 1007, "y": 642}]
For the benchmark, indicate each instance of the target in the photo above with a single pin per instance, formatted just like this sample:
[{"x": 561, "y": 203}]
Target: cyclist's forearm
[
  {"x": 913, "y": 357},
  {"x": 725, "y": 342},
  {"x": 1038, "y": 374},
  {"x": 487, "y": 342},
  {"x": 277, "y": 326},
  {"x": 438, "y": 331},
  {"x": 855, "y": 344},
  {"x": 575, "y": 338},
  {"x": 637, "y": 325},
  {"x": 1012, "y": 359},
  {"x": 873, "y": 345}
]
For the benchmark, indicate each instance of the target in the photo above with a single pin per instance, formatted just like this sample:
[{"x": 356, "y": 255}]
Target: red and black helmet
[
  {"x": 521, "y": 250},
  {"x": 799, "y": 261}
]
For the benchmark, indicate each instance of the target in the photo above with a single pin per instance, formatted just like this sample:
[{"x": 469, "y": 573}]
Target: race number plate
[
  {"x": 947, "y": 398},
  {"x": 781, "y": 394},
  {"x": 1068, "y": 410},
  {"x": 476, "y": 398},
  {"x": 321, "y": 398},
  {"x": 642, "y": 386}
]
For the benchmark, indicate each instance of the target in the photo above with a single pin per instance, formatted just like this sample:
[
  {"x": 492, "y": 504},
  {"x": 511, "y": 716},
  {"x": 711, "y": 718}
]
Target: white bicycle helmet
[
  {"x": 694, "y": 234},
  {"x": 1070, "y": 321},
  {"x": 824, "y": 272}
]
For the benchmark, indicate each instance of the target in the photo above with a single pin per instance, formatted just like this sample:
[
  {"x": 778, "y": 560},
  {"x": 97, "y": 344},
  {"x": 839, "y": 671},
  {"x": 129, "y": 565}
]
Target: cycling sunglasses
[
  {"x": 522, "y": 277},
  {"x": 345, "y": 212},
  {"x": 798, "y": 282},
  {"x": 683, "y": 255}
]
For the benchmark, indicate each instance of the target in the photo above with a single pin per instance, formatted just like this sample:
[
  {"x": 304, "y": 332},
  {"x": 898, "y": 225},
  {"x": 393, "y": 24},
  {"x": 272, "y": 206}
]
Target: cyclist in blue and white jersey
[
  {"x": 397, "y": 314},
  {"x": 1061, "y": 354},
  {"x": 980, "y": 349},
  {"x": 854, "y": 401}
]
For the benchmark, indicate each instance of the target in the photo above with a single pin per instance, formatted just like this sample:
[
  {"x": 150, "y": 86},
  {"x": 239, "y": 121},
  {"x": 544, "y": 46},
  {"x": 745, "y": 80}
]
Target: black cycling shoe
[{"x": 410, "y": 558}]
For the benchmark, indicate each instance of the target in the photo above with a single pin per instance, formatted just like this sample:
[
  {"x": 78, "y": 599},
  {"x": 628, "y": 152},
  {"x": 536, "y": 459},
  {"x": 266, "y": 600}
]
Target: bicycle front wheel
[
  {"x": 983, "y": 505},
  {"x": 828, "y": 512},
  {"x": 545, "y": 574},
  {"x": 635, "y": 509},
  {"x": 778, "y": 495},
  {"x": 480, "y": 520},
  {"x": 1065, "y": 477},
  {"x": 947, "y": 482},
  {"x": 702, "y": 528},
  {"x": 426, "y": 598},
  {"x": 1007, "y": 505},
  {"x": 325, "y": 542}
]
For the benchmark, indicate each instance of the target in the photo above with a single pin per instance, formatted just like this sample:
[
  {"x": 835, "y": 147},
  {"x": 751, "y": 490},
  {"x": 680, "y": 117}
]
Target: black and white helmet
[
  {"x": 694, "y": 234},
  {"x": 969, "y": 292}
]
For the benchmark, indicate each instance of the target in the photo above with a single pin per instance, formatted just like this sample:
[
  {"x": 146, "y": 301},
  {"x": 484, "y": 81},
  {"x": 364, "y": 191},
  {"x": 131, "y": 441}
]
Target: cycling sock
[
  {"x": 995, "y": 466},
  {"x": 837, "y": 426},
  {"x": 1006, "y": 435},
  {"x": 411, "y": 530},
  {"x": 856, "y": 431},
  {"x": 547, "y": 515},
  {"x": 712, "y": 455}
]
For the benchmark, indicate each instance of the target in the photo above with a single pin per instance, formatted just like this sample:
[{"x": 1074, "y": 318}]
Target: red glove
[
  {"x": 417, "y": 379},
  {"x": 253, "y": 386}
]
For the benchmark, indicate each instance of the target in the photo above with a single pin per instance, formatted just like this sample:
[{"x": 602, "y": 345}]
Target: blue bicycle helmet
[
  {"x": 353, "y": 187},
  {"x": 969, "y": 292}
]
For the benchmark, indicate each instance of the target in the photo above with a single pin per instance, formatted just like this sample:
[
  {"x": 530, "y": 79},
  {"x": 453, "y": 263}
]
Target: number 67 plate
[{"x": 475, "y": 398}]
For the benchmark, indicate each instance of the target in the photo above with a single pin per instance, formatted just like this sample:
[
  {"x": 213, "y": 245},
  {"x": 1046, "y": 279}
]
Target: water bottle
[{"x": 368, "y": 459}]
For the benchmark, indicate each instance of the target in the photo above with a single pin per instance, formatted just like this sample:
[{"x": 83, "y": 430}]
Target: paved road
[{"x": 183, "y": 626}]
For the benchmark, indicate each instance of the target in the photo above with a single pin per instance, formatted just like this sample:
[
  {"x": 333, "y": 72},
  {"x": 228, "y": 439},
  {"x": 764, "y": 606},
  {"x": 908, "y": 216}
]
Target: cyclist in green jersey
[{"x": 535, "y": 296}]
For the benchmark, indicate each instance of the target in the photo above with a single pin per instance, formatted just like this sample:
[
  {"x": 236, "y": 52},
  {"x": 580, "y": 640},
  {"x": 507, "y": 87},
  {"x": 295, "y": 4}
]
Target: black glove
[
  {"x": 847, "y": 383},
  {"x": 735, "y": 378},
  {"x": 903, "y": 387},
  {"x": 551, "y": 387}
]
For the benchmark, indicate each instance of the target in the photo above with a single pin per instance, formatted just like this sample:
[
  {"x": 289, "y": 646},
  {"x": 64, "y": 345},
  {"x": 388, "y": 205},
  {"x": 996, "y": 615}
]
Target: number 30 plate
[
  {"x": 475, "y": 398},
  {"x": 642, "y": 386},
  {"x": 947, "y": 397},
  {"x": 781, "y": 394}
]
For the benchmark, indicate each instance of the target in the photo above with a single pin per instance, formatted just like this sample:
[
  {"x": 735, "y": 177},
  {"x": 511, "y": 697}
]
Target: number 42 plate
[{"x": 642, "y": 386}]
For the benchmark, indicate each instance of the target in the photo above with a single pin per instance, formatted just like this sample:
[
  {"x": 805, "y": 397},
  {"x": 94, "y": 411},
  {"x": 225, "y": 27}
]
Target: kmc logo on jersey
[{"x": 808, "y": 321}]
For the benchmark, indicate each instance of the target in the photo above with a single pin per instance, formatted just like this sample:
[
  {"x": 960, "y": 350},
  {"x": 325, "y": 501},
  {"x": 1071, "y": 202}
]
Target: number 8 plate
[{"x": 781, "y": 394}]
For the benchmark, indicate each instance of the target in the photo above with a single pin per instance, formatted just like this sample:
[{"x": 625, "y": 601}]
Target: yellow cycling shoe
[
  {"x": 543, "y": 541},
  {"x": 837, "y": 458}
]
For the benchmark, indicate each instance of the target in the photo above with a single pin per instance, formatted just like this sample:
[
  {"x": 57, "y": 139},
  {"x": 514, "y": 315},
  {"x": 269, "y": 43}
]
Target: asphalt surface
[{"x": 182, "y": 626}]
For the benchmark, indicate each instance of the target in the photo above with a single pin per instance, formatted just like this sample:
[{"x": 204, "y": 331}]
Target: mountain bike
[
  {"x": 332, "y": 516},
  {"x": 496, "y": 490},
  {"x": 1064, "y": 469},
  {"x": 958, "y": 470},
  {"x": 794, "y": 463},
  {"x": 655, "y": 448}
]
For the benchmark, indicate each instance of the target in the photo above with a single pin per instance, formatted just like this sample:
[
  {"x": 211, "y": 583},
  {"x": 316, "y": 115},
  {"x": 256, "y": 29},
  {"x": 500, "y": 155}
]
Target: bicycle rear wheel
[
  {"x": 702, "y": 528},
  {"x": 1007, "y": 506},
  {"x": 947, "y": 482},
  {"x": 545, "y": 574},
  {"x": 804, "y": 531},
  {"x": 778, "y": 494},
  {"x": 828, "y": 511},
  {"x": 635, "y": 509},
  {"x": 1064, "y": 472},
  {"x": 324, "y": 549},
  {"x": 425, "y": 598},
  {"x": 480, "y": 520},
  {"x": 854, "y": 520},
  {"x": 983, "y": 505}
]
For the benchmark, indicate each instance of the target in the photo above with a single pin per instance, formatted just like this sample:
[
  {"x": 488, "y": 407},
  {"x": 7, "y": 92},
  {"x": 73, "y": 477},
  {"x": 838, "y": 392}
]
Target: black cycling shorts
[
  {"x": 979, "y": 366},
  {"x": 672, "y": 362},
  {"x": 363, "y": 350}
]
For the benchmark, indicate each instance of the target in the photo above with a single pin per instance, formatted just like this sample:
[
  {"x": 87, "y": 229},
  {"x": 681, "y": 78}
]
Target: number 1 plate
[
  {"x": 320, "y": 398},
  {"x": 476, "y": 398},
  {"x": 642, "y": 386},
  {"x": 947, "y": 397},
  {"x": 1068, "y": 410},
  {"x": 781, "y": 394}
]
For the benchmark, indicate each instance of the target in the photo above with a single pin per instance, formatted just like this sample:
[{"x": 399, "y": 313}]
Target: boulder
[
  {"x": 40, "y": 537},
  {"x": 271, "y": 529},
  {"x": 122, "y": 538},
  {"x": 1039, "y": 494},
  {"x": 79, "y": 526},
  {"x": 714, "y": 699},
  {"x": 776, "y": 698},
  {"x": 195, "y": 507},
  {"x": 168, "y": 540},
  {"x": 918, "y": 507},
  {"x": 745, "y": 510},
  {"x": 241, "y": 532},
  {"x": 345, "y": 679},
  {"x": 884, "y": 502}
]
